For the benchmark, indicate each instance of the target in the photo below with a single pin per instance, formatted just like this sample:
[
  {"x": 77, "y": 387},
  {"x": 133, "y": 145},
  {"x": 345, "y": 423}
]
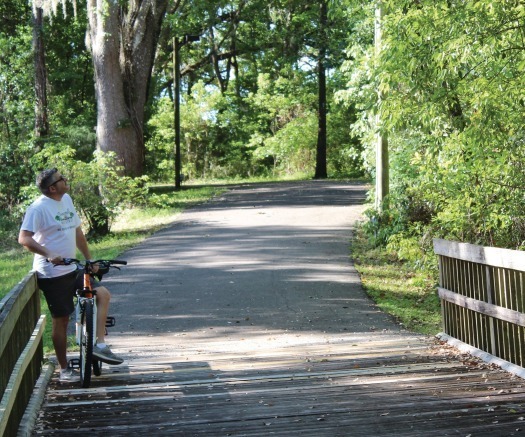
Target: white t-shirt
[{"x": 54, "y": 224}]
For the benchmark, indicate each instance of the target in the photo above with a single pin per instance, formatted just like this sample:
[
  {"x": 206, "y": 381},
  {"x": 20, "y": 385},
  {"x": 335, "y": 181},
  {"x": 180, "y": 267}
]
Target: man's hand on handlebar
[
  {"x": 55, "y": 259},
  {"x": 96, "y": 268}
]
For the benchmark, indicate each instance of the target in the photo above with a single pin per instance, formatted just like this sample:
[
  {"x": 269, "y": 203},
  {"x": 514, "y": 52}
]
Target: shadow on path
[{"x": 270, "y": 257}]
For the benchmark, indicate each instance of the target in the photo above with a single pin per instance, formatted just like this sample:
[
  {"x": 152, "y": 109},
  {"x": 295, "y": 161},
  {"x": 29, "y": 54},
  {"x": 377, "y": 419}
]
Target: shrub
[{"x": 97, "y": 187}]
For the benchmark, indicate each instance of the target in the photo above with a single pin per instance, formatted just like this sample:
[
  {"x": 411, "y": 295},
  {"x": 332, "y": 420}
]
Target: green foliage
[
  {"x": 14, "y": 174},
  {"x": 286, "y": 125},
  {"x": 16, "y": 118},
  {"x": 451, "y": 78},
  {"x": 97, "y": 187},
  {"x": 16, "y": 87},
  {"x": 345, "y": 151},
  {"x": 273, "y": 130},
  {"x": 70, "y": 73},
  {"x": 160, "y": 147},
  {"x": 242, "y": 113},
  {"x": 101, "y": 192},
  {"x": 406, "y": 293}
]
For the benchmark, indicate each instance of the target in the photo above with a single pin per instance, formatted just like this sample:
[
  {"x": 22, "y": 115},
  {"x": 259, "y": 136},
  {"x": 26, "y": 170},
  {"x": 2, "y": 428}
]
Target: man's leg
[
  {"x": 103, "y": 298},
  {"x": 59, "y": 337},
  {"x": 102, "y": 351},
  {"x": 59, "y": 296}
]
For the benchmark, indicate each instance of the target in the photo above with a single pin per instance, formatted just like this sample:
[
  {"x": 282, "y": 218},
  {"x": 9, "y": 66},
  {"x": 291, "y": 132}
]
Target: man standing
[{"x": 51, "y": 230}]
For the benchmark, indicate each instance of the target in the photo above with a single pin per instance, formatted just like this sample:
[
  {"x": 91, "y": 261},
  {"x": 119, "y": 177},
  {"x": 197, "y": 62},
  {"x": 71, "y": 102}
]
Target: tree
[
  {"x": 41, "y": 120},
  {"x": 17, "y": 109},
  {"x": 122, "y": 38},
  {"x": 452, "y": 76},
  {"x": 315, "y": 40},
  {"x": 294, "y": 44}
]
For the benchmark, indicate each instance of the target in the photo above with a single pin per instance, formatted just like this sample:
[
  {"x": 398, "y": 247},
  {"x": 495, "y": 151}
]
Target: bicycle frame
[
  {"x": 86, "y": 326},
  {"x": 86, "y": 319},
  {"x": 83, "y": 295}
]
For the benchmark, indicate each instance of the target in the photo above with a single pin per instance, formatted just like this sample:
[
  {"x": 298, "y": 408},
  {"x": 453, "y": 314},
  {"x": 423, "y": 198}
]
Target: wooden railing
[
  {"x": 482, "y": 290},
  {"x": 21, "y": 351}
]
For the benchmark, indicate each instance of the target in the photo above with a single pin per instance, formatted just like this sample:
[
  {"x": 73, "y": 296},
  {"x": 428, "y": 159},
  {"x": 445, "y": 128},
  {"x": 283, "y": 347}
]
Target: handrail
[
  {"x": 482, "y": 292},
  {"x": 15, "y": 382},
  {"x": 21, "y": 351},
  {"x": 493, "y": 256}
]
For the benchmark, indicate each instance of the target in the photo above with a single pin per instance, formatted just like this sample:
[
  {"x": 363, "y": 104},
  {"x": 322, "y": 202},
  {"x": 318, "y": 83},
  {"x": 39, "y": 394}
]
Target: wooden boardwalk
[{"x": 373, "y": 384}]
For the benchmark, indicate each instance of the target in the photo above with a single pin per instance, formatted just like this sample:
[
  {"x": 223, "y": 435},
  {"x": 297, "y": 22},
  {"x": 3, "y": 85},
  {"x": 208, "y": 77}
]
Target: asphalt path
[{"x": 260, "y": 259}]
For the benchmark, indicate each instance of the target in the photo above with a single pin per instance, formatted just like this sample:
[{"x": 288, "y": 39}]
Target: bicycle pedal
[
  {"x": 74, "y": 363},
  {"x": 110, "y": 322}
]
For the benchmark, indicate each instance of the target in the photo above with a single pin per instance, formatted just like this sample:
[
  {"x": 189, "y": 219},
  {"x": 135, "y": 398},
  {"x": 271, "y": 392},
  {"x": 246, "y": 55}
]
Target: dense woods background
[{"x": 272, "y": 88}]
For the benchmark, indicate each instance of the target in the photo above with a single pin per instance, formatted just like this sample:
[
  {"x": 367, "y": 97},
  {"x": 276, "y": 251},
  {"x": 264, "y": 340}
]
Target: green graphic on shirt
[{"x": 64, "y": 216}]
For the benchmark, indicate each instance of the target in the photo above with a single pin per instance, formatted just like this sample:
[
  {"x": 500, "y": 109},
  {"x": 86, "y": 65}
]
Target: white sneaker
[
  {"x": 105, "y": 355},
  {"x": 69, "y": 375}
]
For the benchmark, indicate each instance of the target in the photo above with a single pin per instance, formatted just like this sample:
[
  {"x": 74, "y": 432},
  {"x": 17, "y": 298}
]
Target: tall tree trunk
[
  {"x": 320, "y": 164},
  {"x": 123, "y": 39},
  {"x": 41, "y": 120}
]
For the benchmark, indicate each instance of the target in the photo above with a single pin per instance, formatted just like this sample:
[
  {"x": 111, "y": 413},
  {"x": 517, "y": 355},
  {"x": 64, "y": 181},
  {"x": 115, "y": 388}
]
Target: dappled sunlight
[
  {"x": 258, "y": 340},
  {"x": 322, "y": 276}
]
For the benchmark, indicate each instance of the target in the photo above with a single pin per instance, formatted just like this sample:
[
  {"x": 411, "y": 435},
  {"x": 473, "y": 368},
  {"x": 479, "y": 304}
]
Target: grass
[
  {"x": 15, "y": 264},
  {"x": 397, "y": 288}
]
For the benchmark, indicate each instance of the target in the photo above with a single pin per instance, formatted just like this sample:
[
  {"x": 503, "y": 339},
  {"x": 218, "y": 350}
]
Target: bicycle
[{"x": 86, "y": 317}]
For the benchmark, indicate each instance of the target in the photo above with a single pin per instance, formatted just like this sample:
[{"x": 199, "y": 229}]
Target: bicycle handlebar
[{"x": 69, "y": 261}]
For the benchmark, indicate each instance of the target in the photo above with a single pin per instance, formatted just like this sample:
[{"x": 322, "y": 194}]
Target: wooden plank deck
[{"x": 370, "y": 384}]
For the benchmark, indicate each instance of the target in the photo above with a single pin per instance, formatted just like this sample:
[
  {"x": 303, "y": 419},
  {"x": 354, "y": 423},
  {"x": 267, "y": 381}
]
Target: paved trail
[{"x": 270, "y": 259}]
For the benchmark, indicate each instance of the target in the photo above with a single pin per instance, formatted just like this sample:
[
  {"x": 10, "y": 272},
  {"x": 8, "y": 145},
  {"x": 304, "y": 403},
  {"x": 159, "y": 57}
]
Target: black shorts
[{"x": 60, "y": 291}]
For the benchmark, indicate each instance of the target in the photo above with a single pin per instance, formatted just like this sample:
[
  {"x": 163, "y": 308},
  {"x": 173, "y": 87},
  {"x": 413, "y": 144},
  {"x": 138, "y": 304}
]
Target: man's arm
[
  {"x": 82, "y": 243},
  {"x": 25, "y": 238}
]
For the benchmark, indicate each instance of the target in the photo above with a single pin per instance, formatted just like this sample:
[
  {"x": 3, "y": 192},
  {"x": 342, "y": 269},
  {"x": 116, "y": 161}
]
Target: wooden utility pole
[
  {"x": 176, "y": 101},
  {"x": 382, "y": 165},
  {"x": 320, "y": 161}
]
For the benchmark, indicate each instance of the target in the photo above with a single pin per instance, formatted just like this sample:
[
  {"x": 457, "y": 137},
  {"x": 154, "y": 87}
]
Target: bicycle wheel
[{"x": 86, "y": 343}]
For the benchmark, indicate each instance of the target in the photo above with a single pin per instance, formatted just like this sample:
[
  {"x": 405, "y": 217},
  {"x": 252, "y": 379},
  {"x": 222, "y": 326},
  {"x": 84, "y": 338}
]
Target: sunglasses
[{"x": 61, "y": 178}]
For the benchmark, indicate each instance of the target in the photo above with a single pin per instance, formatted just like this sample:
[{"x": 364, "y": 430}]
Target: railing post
[
  {"x": 440, "y": 267},
  {"x": 490, "y": 300}
]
